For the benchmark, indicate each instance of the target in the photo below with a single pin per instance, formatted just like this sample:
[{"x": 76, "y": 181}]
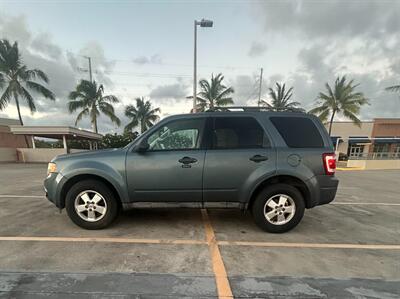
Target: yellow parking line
[
  {"x": 104, "y": 240},
  {"x": 350, "y": 168},
  {"x": 221, "y": 278},
  {"x": 310, "y": 245}
]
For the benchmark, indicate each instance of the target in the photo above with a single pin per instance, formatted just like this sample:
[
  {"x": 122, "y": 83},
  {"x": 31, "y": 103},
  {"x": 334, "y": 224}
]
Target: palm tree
[
  {"x": 16, "y": 79},
  {"x": 342, "y": 99},
  {"x": 281, "y": 98},
  {"x": 89, "y": 97},
  {"x": 213, "y": 93},
  {"x": 143, "y": 114}
]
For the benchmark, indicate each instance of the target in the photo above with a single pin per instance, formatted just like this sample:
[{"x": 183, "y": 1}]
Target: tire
[
  {"x": 270, "y": 200},
  {"x": 99, "y": 201}
]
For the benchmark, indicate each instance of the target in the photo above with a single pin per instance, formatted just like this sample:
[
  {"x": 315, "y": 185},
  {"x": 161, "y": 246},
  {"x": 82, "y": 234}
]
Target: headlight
[{"x": 52, "y": 167}]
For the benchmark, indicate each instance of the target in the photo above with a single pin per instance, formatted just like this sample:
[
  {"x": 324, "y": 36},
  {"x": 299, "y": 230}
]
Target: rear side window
[
  {"x": 238, "y": 133},
  {"x": 298, "y": 131}
]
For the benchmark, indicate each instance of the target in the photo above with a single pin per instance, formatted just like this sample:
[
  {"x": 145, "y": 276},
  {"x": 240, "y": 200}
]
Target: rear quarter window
[{"x": 298, "y": 132}]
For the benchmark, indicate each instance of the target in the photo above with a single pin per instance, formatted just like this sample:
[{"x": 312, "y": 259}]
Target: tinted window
[
  {"x": 298, "y": 131},
  {"x": 238, "y": 132},
  {"x": 177, "y": 135}
]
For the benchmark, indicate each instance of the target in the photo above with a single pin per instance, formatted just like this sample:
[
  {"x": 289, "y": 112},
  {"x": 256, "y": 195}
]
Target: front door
[
  {"x": 240, "y": 153},
  {"x": 171, "y": 170}
]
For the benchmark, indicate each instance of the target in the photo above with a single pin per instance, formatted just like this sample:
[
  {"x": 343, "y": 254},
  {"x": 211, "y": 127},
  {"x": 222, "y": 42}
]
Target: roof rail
[{"x": 253, "y": 108}]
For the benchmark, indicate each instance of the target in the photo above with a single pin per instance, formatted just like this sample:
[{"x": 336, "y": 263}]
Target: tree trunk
[
  {"x": 20, "y": 117},
  {"x": 142, "y": 126},
  {"x": 211, "y": 104},
  {"x": 330, "y": 123},
  {"x": 95, "y": 124}
]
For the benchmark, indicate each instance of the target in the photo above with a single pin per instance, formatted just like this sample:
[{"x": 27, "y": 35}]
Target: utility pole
[
  {"x": 259, "y": 91},
  {"x": 90, "y": 67}
]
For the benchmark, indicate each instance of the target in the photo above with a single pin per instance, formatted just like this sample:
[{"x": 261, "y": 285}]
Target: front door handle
[
  {"x": 187, "y": 160},
  {"x": 258, "y": 158}
]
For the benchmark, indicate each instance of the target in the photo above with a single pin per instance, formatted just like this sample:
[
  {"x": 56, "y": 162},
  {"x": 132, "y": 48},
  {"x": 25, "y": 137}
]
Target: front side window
[
  {"x": 238, "y": 133},
  {"x": 177, "y": 135}
]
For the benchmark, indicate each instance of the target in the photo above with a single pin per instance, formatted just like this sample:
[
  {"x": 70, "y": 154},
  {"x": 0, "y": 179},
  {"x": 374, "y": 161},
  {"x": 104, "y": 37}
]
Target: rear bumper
[{"x": 324, "y": 188}]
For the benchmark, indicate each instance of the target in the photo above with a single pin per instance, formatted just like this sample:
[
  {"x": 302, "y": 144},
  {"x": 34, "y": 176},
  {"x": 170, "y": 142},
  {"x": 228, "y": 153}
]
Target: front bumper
[{"x": 53, "y": 187}]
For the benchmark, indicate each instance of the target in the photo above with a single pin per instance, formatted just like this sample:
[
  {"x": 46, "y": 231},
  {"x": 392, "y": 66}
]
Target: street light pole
[
  {"x": 202, "y": 23},
  {"x": 195, "y": 68}
]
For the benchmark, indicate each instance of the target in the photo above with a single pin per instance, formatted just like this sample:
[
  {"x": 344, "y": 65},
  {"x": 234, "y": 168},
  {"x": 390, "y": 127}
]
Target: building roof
[
  {"x": 8, "y": 122},
  {"x": 55, "y": 132}
]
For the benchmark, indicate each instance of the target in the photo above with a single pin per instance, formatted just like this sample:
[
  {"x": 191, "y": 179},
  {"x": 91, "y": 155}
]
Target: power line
[{"x": 171, "y": 63}]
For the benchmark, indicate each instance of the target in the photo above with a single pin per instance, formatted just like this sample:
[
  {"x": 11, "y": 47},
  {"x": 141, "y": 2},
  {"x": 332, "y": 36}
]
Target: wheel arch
[
  {"x": 282, "y": 179},
  {"x": 80, "y": 177}
]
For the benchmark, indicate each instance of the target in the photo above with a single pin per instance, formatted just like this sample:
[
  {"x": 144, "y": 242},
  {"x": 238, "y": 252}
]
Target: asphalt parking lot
[{"x": 348, "y": 249}]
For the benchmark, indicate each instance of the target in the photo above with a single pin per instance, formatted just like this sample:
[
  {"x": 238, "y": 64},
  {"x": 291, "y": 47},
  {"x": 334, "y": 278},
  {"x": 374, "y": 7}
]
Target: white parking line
[
  {"x": 311, "y": 245},
  {"x": 23, "y": 196},
  {"x": 366, "y": 203}
]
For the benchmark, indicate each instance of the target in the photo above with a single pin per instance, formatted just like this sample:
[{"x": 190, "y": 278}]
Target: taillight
[{"x": 329, "y": 160}]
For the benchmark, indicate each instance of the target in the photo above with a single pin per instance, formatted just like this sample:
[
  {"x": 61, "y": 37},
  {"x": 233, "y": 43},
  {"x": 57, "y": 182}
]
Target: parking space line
[
  {"x": 221, "y": 278},
  {"x": 366, "y": 203},
  {"x": 104, "y": 240},
  {"x": 22, "y": 196},
  {"x": 310, "y": 245}
]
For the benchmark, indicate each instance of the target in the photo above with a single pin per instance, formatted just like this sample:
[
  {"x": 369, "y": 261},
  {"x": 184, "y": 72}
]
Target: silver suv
[{"x": 274, "y": 164}]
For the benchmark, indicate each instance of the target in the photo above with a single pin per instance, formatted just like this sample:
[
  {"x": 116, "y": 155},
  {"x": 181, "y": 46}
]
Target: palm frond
[
  {"x": 28, "y": 98},
  {"x": 110, "y": 99},
  {"x": 81, "y": 114},
  {"x": 75, "y": 105},
  {"x": 108, "y": 110},
  {"x": 36, "y": 73},
  {"x": 394, "y": 88},
  {"x": 40, "y": 89},
  {"x": 5, "y": 98}
]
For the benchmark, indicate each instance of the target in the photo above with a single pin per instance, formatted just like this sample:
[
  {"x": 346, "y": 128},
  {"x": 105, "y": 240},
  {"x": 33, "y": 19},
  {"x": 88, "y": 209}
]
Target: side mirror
[{"x": 143, "y": 146}]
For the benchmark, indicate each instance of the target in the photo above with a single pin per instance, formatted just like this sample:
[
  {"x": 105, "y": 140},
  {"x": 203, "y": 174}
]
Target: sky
[{"x": 145, "y": 49}]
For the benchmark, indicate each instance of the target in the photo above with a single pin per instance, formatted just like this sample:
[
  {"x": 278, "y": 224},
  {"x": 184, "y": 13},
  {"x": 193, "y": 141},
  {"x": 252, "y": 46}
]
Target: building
[
  {"x": 376, "y": 139},
  {"x": 17, "y": 143},
  {"x": 7, "y": 138}
]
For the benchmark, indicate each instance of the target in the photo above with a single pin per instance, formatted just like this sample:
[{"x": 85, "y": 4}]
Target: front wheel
[
  {"x": 278, "y": 208},
  {"x": 91, "y": 205}
]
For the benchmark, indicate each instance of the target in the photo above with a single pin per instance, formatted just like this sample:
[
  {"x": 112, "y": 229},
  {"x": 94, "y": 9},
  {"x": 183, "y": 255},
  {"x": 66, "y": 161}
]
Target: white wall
[
  {"x": 374, "y": 164},
  {"x": 38, "y": 154},
  {"x": 8, "y": 154}
]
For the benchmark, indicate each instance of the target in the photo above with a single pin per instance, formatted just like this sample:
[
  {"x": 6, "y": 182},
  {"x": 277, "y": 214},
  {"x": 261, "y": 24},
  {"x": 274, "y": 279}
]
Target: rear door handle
[
  {"x": 187, "y": 160},
  {"x": 258, "y": 158}
]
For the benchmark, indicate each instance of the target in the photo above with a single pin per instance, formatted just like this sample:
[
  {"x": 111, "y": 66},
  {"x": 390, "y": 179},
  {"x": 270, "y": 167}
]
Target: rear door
[
  {"x": 240, "y": 152},
  {"x": 304, "y": 141}
]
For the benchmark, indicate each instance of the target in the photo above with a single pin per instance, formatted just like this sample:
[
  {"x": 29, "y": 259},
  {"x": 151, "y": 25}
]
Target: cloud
[
  {"x": 39, "y": 51},
  {"x": 177, "y": 91},
  {"x": 314, "y": 19},
  {"x": 358, "y": 39},
  {"x": 154, "y": 59},
  {"x": 257, "y": 49},
  {"x": 43, "y": 45}
]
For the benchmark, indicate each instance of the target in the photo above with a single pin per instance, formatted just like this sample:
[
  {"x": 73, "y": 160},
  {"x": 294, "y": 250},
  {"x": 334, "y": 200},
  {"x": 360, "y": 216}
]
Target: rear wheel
[
  {"x": 278, "y": 208},
  {"x": 91, "y": 205}
]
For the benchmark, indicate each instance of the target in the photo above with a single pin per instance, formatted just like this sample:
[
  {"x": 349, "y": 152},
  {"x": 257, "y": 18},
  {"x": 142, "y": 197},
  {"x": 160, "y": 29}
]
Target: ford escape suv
[{"x": 272, "y": 163}]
